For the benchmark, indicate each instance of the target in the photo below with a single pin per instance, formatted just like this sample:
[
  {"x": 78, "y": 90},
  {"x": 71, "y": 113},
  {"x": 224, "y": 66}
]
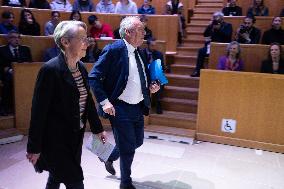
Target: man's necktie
[
  {"x": 145, "y": 90},
  {"x": 16, "y": 54}
]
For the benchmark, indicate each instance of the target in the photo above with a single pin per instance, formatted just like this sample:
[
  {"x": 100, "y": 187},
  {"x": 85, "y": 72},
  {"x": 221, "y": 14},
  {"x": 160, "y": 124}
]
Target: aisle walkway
[{"x": 161, "y": 165}]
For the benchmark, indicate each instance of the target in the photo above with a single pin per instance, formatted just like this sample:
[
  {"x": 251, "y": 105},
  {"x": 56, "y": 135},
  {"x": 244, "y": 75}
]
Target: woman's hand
[{"x": 32, "y": 157}]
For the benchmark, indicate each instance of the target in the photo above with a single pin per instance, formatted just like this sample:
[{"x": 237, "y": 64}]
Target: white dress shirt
[{"x": 132, "y": 93}]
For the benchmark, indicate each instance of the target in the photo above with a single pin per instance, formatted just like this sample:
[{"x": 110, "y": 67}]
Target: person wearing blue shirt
[
  {"x": 7, "y": 25},
  {"x": 147, "y": 8}
]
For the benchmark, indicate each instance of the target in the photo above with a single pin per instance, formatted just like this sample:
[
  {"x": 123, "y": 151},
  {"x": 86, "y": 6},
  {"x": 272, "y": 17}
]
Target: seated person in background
[
  {"x": 50, "y": 25},
  {"x": 232, "y": 9},
  {"x": 282, "y": 13},
  {"x": 7, "y": 23},
  {"x": 247, "y": 33},
  {"x": 28, "y": 25},
  {"x": 175, "y": 7},
  {"x": 231, "y": 61},
  {"x": 12, "y": 52},
  {"x": 216, "y": 31},
  {"x": 274, "y": 63},
  {"x": 116, "y": 31},
  {"x": 275, "y": 34},
  {"x": 61, "y": 5},
  {"x": 75, "y": 15},
  {"x": 51, "y": 53},
  {"x": 14, "y": 3},
  {"x": 148, "y": 32},
  {"x": 99, "y": 29},
  {"x": 126, "y": 7},
  {"x": 258, "y": 9},
  {"x": 93, "y": 52},
  {"x": 152, "y": 54},
  {"x": 105, "y": 6},
  {"x": 83, "y": 6},
  {"x": 39, "y": 4},
  {"x": 147, "y": 8}
]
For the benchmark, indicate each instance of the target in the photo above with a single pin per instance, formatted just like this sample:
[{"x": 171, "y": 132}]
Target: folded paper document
[
  {"x": 156, "y": 72},
  {"x": 102, "y": 150}
]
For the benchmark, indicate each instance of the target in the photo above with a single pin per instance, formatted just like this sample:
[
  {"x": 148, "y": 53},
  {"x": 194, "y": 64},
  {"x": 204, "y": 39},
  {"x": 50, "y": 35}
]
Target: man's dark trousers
[{"x": 128, "y": 130}]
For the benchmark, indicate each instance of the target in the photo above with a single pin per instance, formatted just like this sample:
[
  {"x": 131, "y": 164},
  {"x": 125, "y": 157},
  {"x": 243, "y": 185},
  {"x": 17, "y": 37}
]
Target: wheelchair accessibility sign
[{"x": 228, "y": 125}]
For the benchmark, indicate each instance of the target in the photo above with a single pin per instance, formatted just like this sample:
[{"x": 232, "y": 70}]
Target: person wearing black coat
[
  {"x": 28, "y": 24},
  {"x": 275, "y": 34},
  {"x": 274, "y": 63},
  {"x": 12, "y": 52},
  {"x": 61, "y": 105},
  {"x": 232, "y": 9},
  {"x": 247, "y": 33},
  {"x": 39, "y": 4},
  {"x": 217, "y": 31}
]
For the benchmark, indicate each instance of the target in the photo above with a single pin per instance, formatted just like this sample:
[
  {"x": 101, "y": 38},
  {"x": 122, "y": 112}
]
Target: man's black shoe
[
  {"x": 109, "y": 167},
  {"x": 195, "y": 74},
  {"x": 131, "y": 186}
]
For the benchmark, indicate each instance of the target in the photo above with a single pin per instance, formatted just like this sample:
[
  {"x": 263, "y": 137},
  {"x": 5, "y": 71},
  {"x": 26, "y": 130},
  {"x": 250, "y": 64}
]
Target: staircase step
[
  {"x": 10, "y": 135},
  {"x": 193, "y": 42},
  {"x": 210, "y": 1},
  {"x": 200, "y": 28},
  {"x": 210, "y": 5},
  {"x": 199, "y": 21},
  {"x": 195, "y": 36},
  {"x": 183, "y": 80},
  {"x": 189, "y": 51},
  {"x": 203, "y": 14},
  {"x": 179, "y": 105},
  {"x": 6, "y": 122},
  {"x": 183, "y": 59},
  {"x": 182, "y": 69},
  {"x": 174, "y": 119},
  {"x": 208, "y": 9},
  {"x": 181, "y": 92},
  {"x": 188, "y": 133}
]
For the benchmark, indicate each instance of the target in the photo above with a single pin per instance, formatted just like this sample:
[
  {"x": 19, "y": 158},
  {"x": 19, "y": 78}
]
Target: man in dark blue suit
[
  {"x": 12, "y": 52},
  {"x": 121, "y": 85}
]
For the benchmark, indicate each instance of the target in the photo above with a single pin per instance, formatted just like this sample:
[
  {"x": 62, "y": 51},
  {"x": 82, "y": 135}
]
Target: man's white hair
[
  {"x": 66, "y": 29},
  {"x": 218, "y": 14},
  {"x": 127, "y": 23}
]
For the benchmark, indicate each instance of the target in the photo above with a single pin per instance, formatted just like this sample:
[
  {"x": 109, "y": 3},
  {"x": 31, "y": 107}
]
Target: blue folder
[{"x": 156, "y": 72}]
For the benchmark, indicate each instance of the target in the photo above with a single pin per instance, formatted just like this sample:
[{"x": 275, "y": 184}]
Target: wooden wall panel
[
  {"x": 39, "y": 44},
  {"x": 254, "y": 100},
  {"x": 159, "y": 24}
]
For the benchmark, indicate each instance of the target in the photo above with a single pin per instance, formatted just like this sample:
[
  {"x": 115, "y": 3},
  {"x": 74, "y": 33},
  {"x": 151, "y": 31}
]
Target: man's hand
[
  {"x": 245, "y": 36},
  {"x": 102, "y": 136},
  {"x": 32, "y": 158},
  {"x": 109, "y": 109},
  {"x": 154, "y": 87}
]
